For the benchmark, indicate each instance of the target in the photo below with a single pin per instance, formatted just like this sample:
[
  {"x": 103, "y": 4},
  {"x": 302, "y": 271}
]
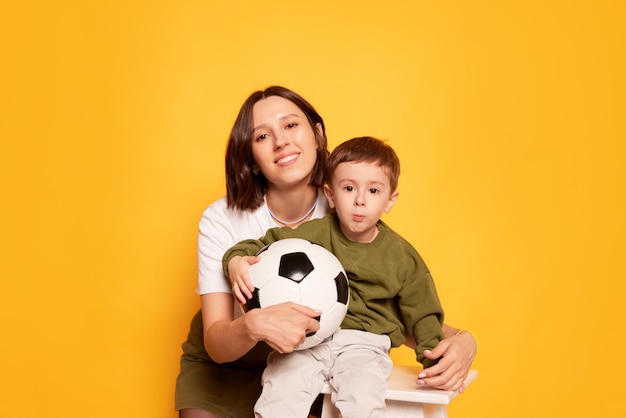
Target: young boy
[{"x": 391, "y": 291}]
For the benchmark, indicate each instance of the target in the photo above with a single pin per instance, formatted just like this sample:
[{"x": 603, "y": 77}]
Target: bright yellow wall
[{"x": 508, "y": 118}]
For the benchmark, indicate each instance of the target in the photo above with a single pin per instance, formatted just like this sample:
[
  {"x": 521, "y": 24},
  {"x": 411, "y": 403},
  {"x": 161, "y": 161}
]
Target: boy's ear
[
  {"x": 391, "y": 201},
  {"x": 329, "y": 195}
]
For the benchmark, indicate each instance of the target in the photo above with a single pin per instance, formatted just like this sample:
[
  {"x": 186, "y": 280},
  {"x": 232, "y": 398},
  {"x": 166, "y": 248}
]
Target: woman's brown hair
[{"x": 245, "y": 188}]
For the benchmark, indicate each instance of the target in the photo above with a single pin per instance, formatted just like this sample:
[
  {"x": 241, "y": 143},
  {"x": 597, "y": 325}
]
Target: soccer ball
[{"x": 296, "y": 270}]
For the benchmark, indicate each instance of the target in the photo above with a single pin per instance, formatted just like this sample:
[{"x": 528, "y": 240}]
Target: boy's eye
[
  {"x": 373, "y": 190},
  {"x": 348, "y": 188}
]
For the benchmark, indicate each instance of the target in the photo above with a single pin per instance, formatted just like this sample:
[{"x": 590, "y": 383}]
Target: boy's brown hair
[{"x": 366, "y": 149}]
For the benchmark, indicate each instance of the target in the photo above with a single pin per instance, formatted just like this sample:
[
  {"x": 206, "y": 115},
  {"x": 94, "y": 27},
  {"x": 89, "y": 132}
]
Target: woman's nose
[{"x": 281, "y": 141}]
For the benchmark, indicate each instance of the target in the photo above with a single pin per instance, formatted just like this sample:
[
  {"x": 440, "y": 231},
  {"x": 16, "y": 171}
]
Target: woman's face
[{"x": 283, "y": 142}]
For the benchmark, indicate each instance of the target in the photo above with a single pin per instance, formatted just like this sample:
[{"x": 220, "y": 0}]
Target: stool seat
[{"x": 404, "y": 398}]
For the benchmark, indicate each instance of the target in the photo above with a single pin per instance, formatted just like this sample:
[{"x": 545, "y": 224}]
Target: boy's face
[{"x": 360, "y": 192}]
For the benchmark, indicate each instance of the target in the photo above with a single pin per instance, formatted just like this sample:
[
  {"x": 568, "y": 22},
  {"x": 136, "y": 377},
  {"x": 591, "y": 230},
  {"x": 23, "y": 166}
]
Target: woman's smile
[{"x": 286, "y": 159}]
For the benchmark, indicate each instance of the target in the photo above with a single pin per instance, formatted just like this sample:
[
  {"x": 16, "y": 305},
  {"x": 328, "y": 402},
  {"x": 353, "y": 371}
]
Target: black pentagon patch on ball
[
  {"x": 254, "y": 301},
  {"x": 295, "y": 266},
  {"x": 341, "y": 281},
  {"x": 310, "y": 334}
]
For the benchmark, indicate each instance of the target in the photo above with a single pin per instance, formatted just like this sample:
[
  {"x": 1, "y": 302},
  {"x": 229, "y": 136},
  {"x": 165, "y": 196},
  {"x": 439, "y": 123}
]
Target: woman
[{"x": 275, "y": 163}]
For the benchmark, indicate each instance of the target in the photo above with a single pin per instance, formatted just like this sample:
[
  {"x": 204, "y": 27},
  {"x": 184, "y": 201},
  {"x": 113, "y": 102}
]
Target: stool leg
[
  {"x": 398, "y": 409},
  {"x": 328, "y": 409}
]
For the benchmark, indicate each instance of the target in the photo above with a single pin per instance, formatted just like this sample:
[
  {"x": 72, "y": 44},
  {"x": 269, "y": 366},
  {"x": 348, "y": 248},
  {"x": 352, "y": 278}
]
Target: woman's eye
[
  {"x": 291, "y": 125},
  {"x": 261, "y": 137}
]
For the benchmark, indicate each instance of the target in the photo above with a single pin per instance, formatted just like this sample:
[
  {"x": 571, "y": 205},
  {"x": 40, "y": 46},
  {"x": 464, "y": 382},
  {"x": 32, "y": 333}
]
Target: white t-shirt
[{"x": 221, "y": 228}]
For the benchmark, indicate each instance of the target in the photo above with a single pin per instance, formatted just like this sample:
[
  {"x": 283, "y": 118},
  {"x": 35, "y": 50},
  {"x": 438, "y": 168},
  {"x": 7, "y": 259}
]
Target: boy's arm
[
  {"x": 428, "y": 334},
  {"x": 422, "y": 312},
  {"x": 240, "y": 282},
  {"x": 244, "y": 248},
  {"x": 236, "y": 262},
  {"x": 253, "y": 246},
  {"x": 238, "y": 259},
  {"x": 449, "y": 361}
]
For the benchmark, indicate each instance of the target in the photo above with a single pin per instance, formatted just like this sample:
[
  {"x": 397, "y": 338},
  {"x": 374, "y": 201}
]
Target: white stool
[{"x": 404, "y": 399}]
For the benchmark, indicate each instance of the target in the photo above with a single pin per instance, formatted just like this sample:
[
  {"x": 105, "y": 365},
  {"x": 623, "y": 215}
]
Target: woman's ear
[
  {"x": 391, "y": 201},
  {"x": 319, "y": 134},
  {"x": 329, "y": 195}
]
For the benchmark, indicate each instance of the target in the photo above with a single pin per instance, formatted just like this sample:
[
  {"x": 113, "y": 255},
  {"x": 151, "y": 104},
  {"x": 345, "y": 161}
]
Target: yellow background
[{"x": 508, "y": 118}]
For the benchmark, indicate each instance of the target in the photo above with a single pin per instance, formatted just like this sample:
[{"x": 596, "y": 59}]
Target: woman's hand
[
  {"x": 283, "y": 326},
  {"x": 240, "y": 282},
  {"x": 457, "y": 353}
]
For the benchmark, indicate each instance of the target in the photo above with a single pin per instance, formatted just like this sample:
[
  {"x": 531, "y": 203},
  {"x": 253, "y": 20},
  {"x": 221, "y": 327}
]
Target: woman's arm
[
  {"x": 457, "y": 350},
  {"x": 283, "y": 327}
]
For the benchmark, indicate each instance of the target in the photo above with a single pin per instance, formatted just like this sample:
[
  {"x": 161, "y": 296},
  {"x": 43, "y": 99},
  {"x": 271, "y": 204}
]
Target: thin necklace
[{"x": 276, "y": 218}]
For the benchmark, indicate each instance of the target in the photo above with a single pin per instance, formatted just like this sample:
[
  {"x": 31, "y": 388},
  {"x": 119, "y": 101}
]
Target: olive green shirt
[{"x": 391, "y": 289}]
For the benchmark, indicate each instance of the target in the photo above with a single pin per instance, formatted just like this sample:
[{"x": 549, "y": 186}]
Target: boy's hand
[{"x": 240, "y": 282}]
